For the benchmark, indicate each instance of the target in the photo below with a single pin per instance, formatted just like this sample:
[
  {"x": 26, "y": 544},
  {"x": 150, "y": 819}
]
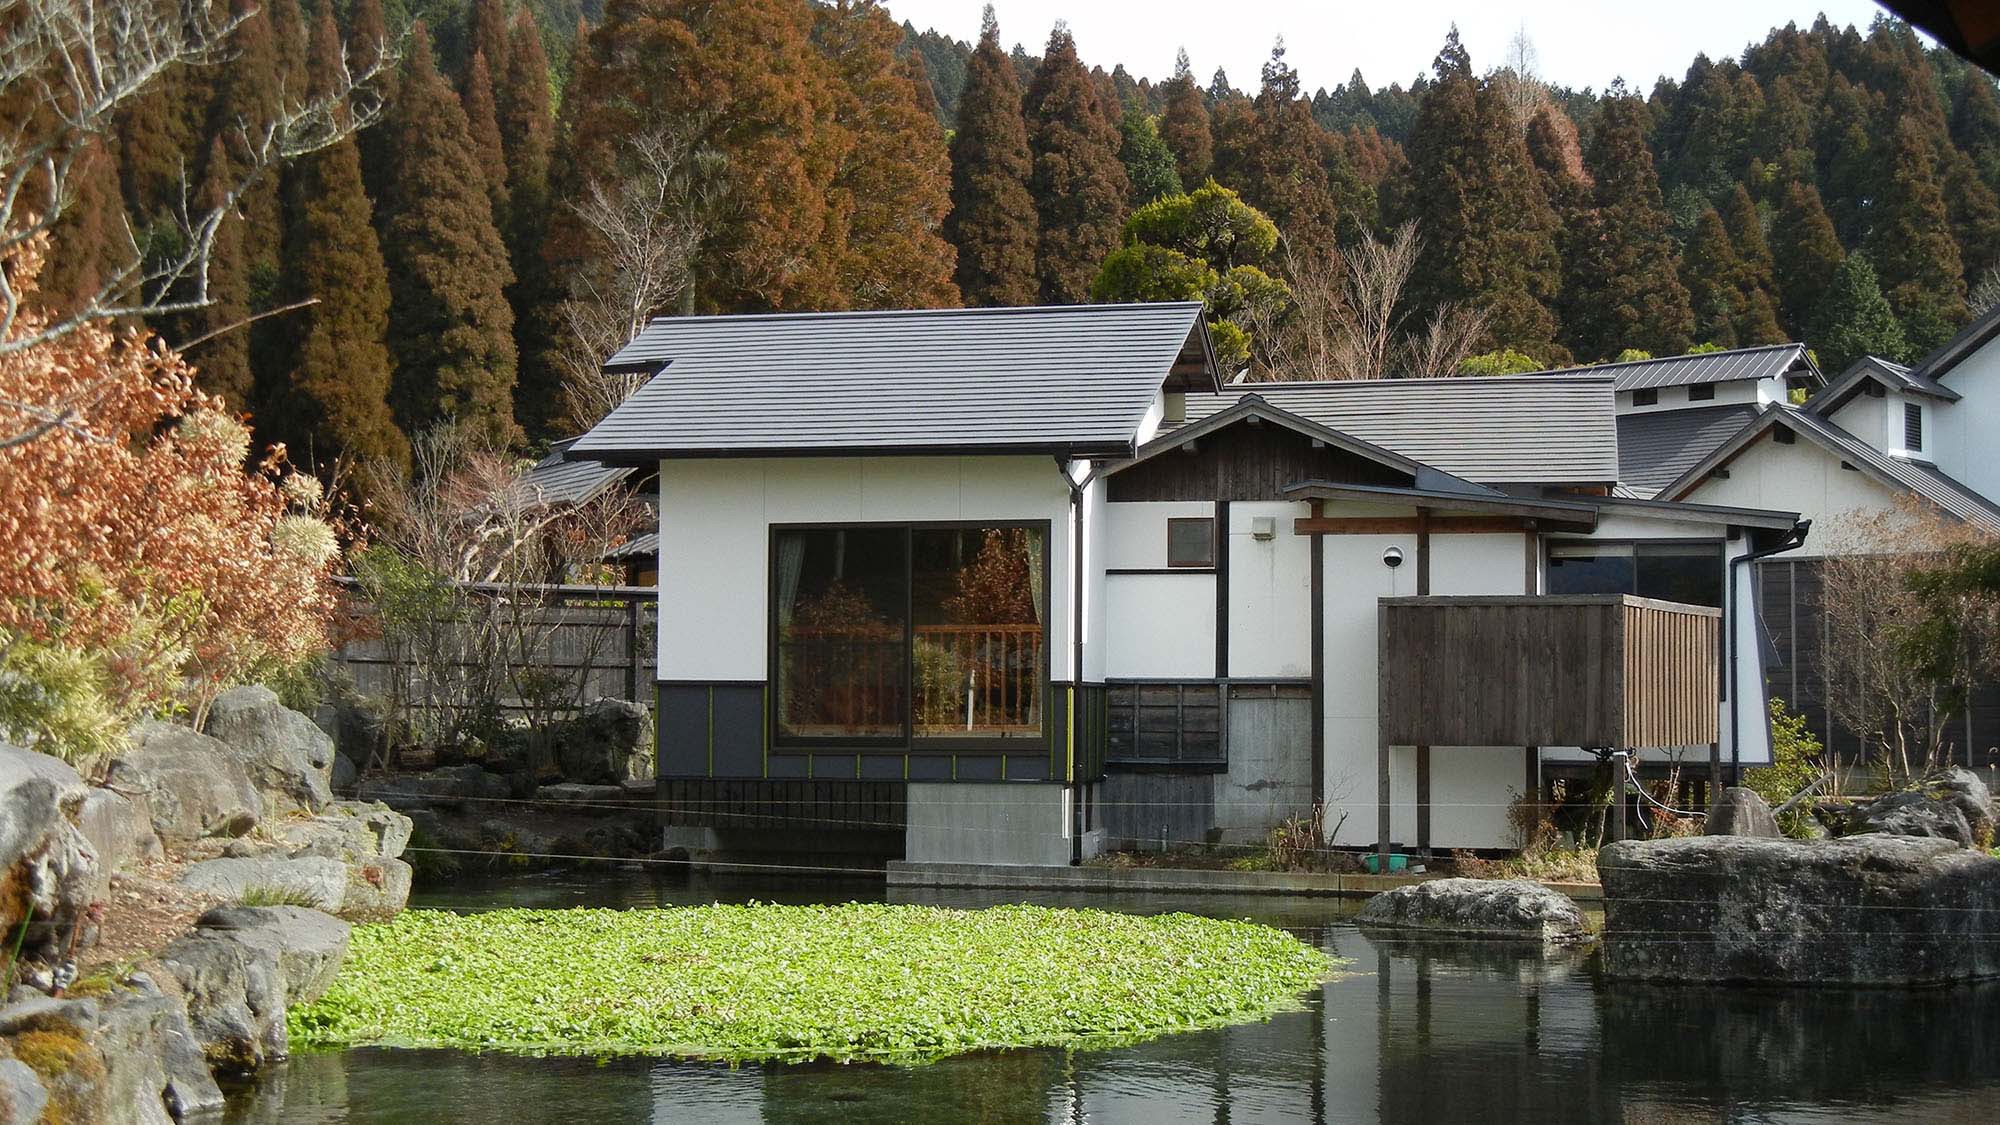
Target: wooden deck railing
[{"x": 965, "y": 678}]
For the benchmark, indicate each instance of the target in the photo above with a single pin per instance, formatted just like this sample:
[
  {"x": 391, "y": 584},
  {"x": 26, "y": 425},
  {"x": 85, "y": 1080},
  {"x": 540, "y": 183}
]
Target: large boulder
[
  {"x": 49, "y": 872},
  {"x": 376, "y": 891},
  {"x": 1741, "y": 812},
  {"x": 1951, "y": 805},
  {"x": 127, "y": 1056},
  {"x": 193, "y": 785},
  {"x": 289, "y": 759},
  {"x": 446, "y": 785},
  {"x": 242, "y": 967},
  {"x": 1482, "y": 908},
  {"x": 343, "y": 775},
  {"x": 22, "y": 1097},
  {"x": 315, "y": 881},
  {"x": 603, "y": 744},
  {"x": 1862, "y": 910}
]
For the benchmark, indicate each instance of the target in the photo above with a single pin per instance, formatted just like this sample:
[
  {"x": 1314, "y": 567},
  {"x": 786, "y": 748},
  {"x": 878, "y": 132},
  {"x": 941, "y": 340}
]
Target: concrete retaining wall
[{"x": 973, "y": 823}]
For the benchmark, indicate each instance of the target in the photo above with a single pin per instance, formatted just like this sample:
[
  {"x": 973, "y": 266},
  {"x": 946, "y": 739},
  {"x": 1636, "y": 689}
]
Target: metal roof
[
  {"x": 1767, "y": 362},
  {"x": 1875, "y": 369},
  {"x": 1919, "y": 477},
  {"x": 1509, "y": 429},
  {"x": 1074, "y": 380},
  {"x": 637, "y": 547},
  {"x": 1656, "y": 446},
  {"x": 557, "y": 480}
]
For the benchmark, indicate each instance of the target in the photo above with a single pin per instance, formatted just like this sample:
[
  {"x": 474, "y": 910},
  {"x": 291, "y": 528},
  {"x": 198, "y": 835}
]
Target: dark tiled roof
[
  {"x": 1075, "y": 380},
  {"x": 1513, "y": 429},
  {"x": 557, "y": 480},
  {"x": 1655, "y": 447},
  {"x": 1876, "y": 369},
  {"x": 1767, "y": 362}
]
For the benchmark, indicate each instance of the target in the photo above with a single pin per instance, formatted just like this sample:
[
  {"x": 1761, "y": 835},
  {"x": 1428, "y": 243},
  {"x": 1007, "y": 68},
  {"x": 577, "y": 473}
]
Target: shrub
[
  {"x": 1796, "y": 760},
  {"x": 1507, "y": 361},
  {"x": 146, "y": 568}
]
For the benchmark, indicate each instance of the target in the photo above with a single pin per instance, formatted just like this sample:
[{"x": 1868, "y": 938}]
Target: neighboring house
[
  {"x": 1877, "y": 439},
  {"x": 1015, "y": 582},
  {"x": 560, "y": 481}
]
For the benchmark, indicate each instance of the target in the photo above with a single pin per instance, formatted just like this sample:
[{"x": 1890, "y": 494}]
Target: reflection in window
[
  {"x": 977, "y": 659},
  {"x": 891, "y": 632},
  {"x": 841, "y": 600},
  {"x": 1690, "y": 573}
]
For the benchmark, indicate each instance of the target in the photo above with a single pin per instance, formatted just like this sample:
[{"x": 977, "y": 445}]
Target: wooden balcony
[{"x": 1602, "y": 671}]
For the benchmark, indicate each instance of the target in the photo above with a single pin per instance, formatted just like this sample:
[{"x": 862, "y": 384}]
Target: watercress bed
[{"x": 900, "y": 984}]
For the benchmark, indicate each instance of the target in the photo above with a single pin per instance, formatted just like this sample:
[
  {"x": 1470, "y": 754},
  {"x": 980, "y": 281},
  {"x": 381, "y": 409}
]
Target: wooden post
[
  {"x": 1531, "y": 781},
  {"x": 1424, "y": 799},
  {"x": 1382, "y": 807},
  {"x": 1714, "y": 773},
  {"x": 632, "y": 651},
  {"x": 1317, "y": 627},
  {"x": 1423, "y": 552},
  {"x": 1618, "y": 795}
]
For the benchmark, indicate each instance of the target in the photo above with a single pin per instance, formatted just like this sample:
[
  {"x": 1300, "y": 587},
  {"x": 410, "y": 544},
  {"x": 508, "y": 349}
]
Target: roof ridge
[
  {"x": 1578, "y": 374},
  {"x": 1683, "y": 356},
  {"x": 981, "y": 310}
]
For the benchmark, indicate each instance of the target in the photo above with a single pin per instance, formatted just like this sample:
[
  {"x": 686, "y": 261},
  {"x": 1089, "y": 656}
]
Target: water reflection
[{"x": 1420, "y": 1031}]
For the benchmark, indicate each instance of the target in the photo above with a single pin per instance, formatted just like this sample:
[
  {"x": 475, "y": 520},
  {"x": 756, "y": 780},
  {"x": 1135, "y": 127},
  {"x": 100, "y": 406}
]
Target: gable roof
[
  {"x": 1737, "y": 364},
  {"x": 1897, "y": 473},
  {"x": 1073, "y": 381},
  {"x": 1952, "y": 352},
  {"x": 1875, "y": 369},
  {"x": 1508, "y": 429},
  {"x": 556, "y": 480},
  {"x": 1656, "y": 446}
]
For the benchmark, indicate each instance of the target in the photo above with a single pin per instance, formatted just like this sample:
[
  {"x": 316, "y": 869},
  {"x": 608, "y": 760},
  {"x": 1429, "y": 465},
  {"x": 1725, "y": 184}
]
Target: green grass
[{"x": 903, "y": 984}]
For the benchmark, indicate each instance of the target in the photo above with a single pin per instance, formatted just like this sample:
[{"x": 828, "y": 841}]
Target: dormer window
[
  {"x": 1913, "y": 427},
  {"x": 1175, "y": 403},
  {"x": 1647, "y": 397}
]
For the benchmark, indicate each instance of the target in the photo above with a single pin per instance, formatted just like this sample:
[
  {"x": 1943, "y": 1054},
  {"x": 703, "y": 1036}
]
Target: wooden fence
[{"x": 588, "y": 642}]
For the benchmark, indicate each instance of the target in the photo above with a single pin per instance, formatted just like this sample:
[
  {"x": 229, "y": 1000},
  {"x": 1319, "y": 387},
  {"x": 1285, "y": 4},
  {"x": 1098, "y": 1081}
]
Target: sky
[{"x": 1579, "y": 44}]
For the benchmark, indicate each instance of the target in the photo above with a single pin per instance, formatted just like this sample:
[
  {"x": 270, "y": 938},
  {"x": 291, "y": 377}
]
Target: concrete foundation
[{"x": 992, "y": 823}]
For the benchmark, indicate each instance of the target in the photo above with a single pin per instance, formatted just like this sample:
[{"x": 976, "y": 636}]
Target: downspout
[
  {"x": 1076, "y": 491},
  {"x": 1795, "y": 539}
]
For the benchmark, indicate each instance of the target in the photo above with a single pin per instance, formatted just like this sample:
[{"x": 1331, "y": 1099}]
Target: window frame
[
  {"x": 1207, "y": 563},
  {"x": 907, "y": 742},
  {"x": 1701, "y": 392},
  {"x": 1913, "y": 423},
  {"x": 1646, "y": 396},
  {"x": 1719, "y": 545}
]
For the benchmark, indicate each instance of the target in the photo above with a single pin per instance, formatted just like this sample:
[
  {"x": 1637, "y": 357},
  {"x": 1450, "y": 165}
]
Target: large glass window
[
  {"x": 1676, "y": 572},
  {"x": 892, "y": 633}
]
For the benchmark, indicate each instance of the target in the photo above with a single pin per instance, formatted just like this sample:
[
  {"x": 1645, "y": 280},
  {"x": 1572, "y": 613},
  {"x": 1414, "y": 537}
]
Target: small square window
[
  {"x": 1191, "y": 542},
  {"x": 1647, "y": 397},
  {"x": 1702, "y": 392}
]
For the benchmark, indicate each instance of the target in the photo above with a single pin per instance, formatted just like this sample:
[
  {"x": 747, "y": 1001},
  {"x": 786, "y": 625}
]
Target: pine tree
[
  {"x": 1283, "y": 175},
  {"x": 1148, "y": 164},
  {"x": 1709, "y": 268},
  {"x": 88, "y": 243},
  {"x": 748, "y": 87},
  {"x": 249, "y": 94},
  {"x": 368, "y": 35},
  {"x": 1975, "y": 215},
  {"x": 1488, "y": 234},
  {"x": 1975, "y": 126},
  {"x": 1853, "y": 319},
  {"x": 336, "y": 401},
  {"x": 482, "y": 118},
  {"x": 1910, "y": 243},
  {"x": 1078, "y": 184},
  {"x": 1757, "y": 317},
  {"x": 527, "y": 133},
  {"x": 486, "y": 34},
  {"x": 1208, "y": 246},
  {"x": 1630, "y": 269},
  {"x": 1805, "y": 253},
  {"x": 992, "y": 219},
  {"x": 894, "y": 173},
  {"x": 1184, "y": 124},
  {"x": 450, "y": 328}
]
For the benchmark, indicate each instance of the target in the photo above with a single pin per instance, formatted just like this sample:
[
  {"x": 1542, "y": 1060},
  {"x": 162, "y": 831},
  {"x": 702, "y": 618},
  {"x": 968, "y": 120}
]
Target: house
[
  {"x": 1007, "y": 584},
  {"x": 1877, "y": 439},
  {"x": 558, "y": 481}
]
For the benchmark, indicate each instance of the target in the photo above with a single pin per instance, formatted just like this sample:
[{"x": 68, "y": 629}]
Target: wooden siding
[
  {"x": 1246, "y": 462},
  {"x": 1602, "y": 671}
]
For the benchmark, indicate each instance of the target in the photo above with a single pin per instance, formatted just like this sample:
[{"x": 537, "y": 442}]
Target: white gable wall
[
  {"x": 1270, "y": 593},
  {"x": 1844, "y": 504},
  {"x": 1964, "y": 446}
]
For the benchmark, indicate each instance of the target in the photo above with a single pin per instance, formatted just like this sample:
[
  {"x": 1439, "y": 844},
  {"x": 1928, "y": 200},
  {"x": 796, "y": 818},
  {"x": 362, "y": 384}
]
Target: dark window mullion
[{"x": 909, "y": 635}]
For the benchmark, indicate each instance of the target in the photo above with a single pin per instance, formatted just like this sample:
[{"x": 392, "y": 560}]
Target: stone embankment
[{"x": 239, "y": 818}]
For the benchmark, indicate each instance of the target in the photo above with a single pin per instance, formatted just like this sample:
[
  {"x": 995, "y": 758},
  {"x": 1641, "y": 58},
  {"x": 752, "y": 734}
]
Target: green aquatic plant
[{"x": 903, "y": 984}]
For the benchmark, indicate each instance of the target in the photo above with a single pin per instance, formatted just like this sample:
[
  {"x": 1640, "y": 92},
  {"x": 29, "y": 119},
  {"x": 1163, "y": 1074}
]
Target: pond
[{"x": 1416, "y": 1032}]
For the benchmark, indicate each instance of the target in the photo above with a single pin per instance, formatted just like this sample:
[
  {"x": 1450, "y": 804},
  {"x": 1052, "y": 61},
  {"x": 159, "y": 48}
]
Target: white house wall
[
  {"x": 1270, "y": 594},
  {"x": 1844, "y": 504},
  {"x": 1676, "y": 398},
  {"x": 716, "y": 515},
  {"x": 1963, "y": 447},
  {"x": 1162, "y": 626}
]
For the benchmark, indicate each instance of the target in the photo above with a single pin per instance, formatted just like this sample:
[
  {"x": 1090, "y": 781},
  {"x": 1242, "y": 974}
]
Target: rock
[
  {"x": 306, "y": 881},
  {"x": 376, "y": 891},
  {"x": 343, "y": 775},
  {"x": 1911, "y": 813},
  {"x": 599, "y": 745},
  {"x": 390, "y": 828},
  {"x": 21, "y": 1094},
  {"x": 356, "y": 723},
  {"x": 1741, "y": 812},
  {"x": 1478, "y": 908},
  {"x": 49, "y": 871},
  {"x": 1961, "y": 788},
  {"x": 289, "y": 759},
  {"x": 309, "y": 945},
  {"x": 120, "y": 829},
  {"x": 1863, "y": 910},
  {"x": 241, "y": 968},
  {"x": 128, "y": 1056},
  {"x": 577, "y": 793},
  {"x": 614, "y": 840},
  {"x": 446, "y": 785},
  {"x": 193, "y": 785}
]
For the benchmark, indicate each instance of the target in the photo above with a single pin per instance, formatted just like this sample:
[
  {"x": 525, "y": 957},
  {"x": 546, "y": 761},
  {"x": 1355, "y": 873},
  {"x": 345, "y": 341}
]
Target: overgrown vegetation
[
  {"x": 1797, "y": 760},
  {"x": 902, "y": 984}
]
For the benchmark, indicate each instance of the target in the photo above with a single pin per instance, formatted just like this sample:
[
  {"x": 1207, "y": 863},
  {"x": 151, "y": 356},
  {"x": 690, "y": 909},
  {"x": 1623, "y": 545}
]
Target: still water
[{"x": 1417, "y": 1032}]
